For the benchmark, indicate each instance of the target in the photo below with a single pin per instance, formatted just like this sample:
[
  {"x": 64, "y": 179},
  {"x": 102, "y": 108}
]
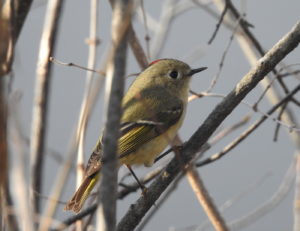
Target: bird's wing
[{"x": 135, "y": 134}]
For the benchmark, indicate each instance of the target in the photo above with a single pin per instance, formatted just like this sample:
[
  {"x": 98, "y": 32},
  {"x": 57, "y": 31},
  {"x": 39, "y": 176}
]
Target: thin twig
[
  {"x": 246, "y": 133},
  {"x": 292, "y": 127},
  {"x": 54, "y": 60},
  {"x": 289, "y": 74},
  {"x": 162, "y": 29},
  {"x": 221, "y": 64},
  {"x": 279, "y": 118},
  {"x": 147, "y": 36},
  {"x": 219, "y": 23},
  {"x": 255, "y": 105}
]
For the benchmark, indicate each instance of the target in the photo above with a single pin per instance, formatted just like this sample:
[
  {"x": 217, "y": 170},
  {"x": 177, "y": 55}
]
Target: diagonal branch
[{"x": 247, "y": 83}]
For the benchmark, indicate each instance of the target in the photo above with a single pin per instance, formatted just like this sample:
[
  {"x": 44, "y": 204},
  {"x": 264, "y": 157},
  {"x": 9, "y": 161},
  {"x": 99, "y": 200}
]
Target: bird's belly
[{"x": 147, "y": 153}]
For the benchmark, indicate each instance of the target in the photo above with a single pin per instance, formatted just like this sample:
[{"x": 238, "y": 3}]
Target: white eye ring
[{"x": 174, "y": 74}]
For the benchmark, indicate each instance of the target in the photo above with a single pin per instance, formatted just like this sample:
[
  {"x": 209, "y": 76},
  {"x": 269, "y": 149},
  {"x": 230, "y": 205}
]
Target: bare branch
[
  {"x": 23, "y": 207},
  {"x": 248, "y": 82},
  {"x": 121, "y": 19},
  {"x": 279, "y": 118},
  {"x": 43, "y": 78},
  {"x": 137, "y": 49},
  {"x": 221, "y": 64},
  {"x": 54, "y": 60},
  {"x": 205, "y": 200},
  {"x": 218, "y": 24}
]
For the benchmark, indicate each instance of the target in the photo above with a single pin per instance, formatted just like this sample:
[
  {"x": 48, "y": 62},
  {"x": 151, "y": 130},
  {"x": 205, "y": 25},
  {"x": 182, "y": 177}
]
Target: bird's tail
[{"x": 82, "y": 193}]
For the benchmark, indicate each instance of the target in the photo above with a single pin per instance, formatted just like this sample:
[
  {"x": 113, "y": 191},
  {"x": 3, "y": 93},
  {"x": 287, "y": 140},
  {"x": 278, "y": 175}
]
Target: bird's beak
[{"x": 194, "y": 71}]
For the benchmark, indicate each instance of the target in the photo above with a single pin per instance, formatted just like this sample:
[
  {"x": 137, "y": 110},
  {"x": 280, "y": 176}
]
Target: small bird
[{"x": 153, "y": 110}]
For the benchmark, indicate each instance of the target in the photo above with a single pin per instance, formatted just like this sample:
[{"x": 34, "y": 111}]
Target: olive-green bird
[{"x": 153, "y": 110}]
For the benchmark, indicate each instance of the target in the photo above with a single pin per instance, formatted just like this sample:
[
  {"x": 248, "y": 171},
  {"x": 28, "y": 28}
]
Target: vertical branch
[
  {"x": 7, "y": 38},
  {"x": 92, "y": 42},
  {"x": 43, "y": 77},
  {"x": 121, "y": 18},
  {"x": 6, "y": 57},
  {"x": 12, "y": 17},
  {"x": 22, "y": 206}
]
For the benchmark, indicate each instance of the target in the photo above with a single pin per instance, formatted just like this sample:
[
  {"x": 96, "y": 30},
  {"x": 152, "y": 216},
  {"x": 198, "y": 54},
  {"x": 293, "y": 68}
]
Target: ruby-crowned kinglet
[{"x": 153, "y": 110}]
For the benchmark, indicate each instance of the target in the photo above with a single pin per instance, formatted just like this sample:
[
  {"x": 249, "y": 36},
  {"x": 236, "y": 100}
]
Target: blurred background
[{"x": 249, "y": 175}]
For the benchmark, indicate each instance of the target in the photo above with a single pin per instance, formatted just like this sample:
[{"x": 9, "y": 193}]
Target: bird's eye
[{"x": 174, "y": 74}]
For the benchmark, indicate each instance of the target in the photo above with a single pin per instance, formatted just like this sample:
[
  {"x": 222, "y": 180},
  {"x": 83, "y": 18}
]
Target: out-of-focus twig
[
  {"x": 162, "y": 28},
  {"x": 12, "y": 18},
  {"x": 121, "y": 19},
  {"x": 84, "y": 112},
  {"x": 81, "y": 129},
  {"x": 43, "y": 79},
  {"x": 136, "y": 47},
  {"x": 278, "y": 125},
  {"x": 23, "y": 208},
  {"x": 283, "y": 189}
]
